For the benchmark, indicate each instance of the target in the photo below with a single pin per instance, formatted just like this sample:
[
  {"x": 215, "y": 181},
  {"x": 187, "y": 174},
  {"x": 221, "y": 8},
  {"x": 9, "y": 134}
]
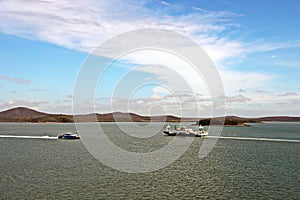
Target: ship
[
  {"x": 184, "y": 131},
  {"x": 68, "y": 136}
]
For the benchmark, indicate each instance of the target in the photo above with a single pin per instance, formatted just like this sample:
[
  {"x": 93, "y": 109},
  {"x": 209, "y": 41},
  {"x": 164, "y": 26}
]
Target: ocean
[{"x": 32, "y": 168}]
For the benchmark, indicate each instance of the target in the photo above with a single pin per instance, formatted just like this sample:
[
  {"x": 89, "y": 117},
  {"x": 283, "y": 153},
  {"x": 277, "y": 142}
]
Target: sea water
[{"x": 235, "y": 169}]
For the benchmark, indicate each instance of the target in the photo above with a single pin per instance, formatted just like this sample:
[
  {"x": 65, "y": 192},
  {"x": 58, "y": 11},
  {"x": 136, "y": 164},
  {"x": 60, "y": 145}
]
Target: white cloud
[
  {"x": 241, "y": 90},
  {"x": 83, "y": 25},
  {"x": 216, "y": 13},
  {"x": 286, "y": 94},
  {"x": 266, "y": 104},
  {"x": 165, "y": 3},
  {"x": 237, "y": 98},
  {"x": 289, "y": 64},
  {"x": 181, "y": 104},
  {"x": 234, "y": 80}
]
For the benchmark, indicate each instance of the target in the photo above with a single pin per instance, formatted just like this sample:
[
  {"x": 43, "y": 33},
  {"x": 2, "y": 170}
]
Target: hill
[
  {"x": 280, "y": 119},
  {"x": 240, "y": 121},
  {"x": 22, "y": 114}
]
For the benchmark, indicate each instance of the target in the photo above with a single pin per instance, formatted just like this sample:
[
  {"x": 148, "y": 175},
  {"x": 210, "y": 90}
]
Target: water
[{"x": 234, "y": 169}]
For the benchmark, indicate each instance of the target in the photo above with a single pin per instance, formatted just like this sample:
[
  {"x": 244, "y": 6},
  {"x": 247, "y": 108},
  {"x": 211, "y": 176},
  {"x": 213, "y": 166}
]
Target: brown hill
[
  {"x": 20, "y": 114},
  {"x": 241, "y": 121},
  {"x": 281, "y": 119},
  {"x": 53, "y": 118},
  {"x": 126, "y": 117}
]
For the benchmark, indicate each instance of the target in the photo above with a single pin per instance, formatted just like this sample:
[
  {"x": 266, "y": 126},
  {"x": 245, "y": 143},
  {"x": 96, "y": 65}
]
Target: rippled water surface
[{"x": 234, "y": 169}]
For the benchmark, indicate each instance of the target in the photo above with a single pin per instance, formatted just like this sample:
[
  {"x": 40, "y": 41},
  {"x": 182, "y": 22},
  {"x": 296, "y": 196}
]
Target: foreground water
[{"x": 234, "y": 169}]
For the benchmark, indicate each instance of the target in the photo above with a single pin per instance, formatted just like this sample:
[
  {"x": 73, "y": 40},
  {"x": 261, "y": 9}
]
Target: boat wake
[
  {"x": 29, "y": 137},
  {"x": 254, "y": 139}
]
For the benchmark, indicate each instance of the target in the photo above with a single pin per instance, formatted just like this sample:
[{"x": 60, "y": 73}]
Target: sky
[{"x": 254, "y": 44}]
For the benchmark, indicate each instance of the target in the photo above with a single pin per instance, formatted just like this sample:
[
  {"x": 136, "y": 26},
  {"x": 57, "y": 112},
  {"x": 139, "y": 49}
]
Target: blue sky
[{"x": 255, "y": 45}]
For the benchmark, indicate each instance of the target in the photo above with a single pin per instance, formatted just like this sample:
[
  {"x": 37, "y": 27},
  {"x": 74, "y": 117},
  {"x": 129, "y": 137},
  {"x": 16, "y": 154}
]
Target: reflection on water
[{"x": 240, "y": 169}]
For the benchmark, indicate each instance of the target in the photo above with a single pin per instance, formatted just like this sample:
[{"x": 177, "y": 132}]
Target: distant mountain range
[
  {"x": 22, "y": 114},
  {"x": 242, "y": 121}
]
